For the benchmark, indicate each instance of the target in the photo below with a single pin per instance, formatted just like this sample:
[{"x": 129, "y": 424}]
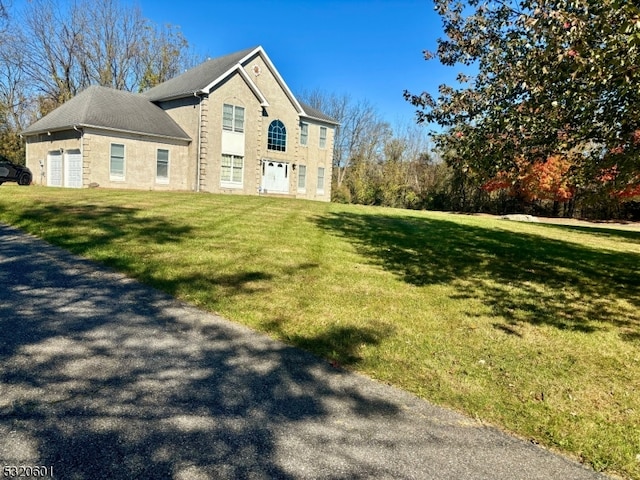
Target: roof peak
[{"x": 195, "y": 79}]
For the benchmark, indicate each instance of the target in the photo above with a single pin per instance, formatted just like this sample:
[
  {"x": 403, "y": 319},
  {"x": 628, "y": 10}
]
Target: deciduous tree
[
  {"x": 66, "y": 47},
  {"x": 549, "y": 77},
  {"x": 50, "y": 51},
  {"x": 361, "y": 132}
]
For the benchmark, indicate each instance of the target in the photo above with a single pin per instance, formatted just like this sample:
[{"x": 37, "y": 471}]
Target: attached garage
[
  {"x": 73, "y": 146},
  {"x": 73, "y": 169},
  {"x": 54, "y": 168},
  {"x": 64, "y": 170}
]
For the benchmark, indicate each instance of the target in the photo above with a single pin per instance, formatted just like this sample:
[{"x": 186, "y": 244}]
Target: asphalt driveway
[{"x": 104, "y": 378}]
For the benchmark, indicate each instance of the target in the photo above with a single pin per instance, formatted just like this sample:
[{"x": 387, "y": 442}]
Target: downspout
[
  {"x": 81, "y": 131},
  {"x": 195, "y": 94}
]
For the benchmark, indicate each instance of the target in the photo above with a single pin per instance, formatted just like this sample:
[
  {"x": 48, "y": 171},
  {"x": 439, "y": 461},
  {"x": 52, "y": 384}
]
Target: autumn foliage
[
  {"x": 609, "y": 177},
  {"x": 552, "y": 83},
  {"x": 544, "y": 180}
]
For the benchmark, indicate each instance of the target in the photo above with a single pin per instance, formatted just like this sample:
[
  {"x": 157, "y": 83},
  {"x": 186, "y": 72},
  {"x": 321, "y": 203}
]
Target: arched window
[{"x": 277, "y": 137}]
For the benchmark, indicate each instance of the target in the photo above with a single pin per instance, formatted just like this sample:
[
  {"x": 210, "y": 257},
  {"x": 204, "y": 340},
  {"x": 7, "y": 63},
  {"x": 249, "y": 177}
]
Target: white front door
[
  {"x": 73, "y": 169},
  {"x": 54, "y": 169},
  {"x": 275, "y": 177}
]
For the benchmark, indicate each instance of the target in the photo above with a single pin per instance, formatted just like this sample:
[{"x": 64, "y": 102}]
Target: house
[{"x": 229, "y": 125}]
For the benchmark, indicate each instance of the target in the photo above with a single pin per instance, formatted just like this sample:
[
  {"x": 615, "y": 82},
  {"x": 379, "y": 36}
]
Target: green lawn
[{"x": 534, "y": 328}]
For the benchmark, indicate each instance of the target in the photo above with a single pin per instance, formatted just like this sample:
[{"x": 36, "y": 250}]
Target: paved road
[{"x": 104, "y": 378}]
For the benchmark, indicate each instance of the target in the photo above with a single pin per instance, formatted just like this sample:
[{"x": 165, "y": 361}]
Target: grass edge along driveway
[{"x": 534, "y": 328}]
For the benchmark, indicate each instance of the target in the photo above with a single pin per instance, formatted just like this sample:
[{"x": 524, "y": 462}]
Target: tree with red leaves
[{"x": 555, "y": 101}]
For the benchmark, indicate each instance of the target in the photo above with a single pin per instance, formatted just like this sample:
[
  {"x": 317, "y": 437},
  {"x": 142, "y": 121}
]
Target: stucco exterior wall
[
  {"x": 39, "y": 146},
  {"x": 236, "y": 91},
  {"x": 185, "y": 112},
  {"x": 281, "y": 108},
  {"x": 95, "y": 147},
  {"x": 315, "y": 157},
  {"x": 140, "y": 162}
]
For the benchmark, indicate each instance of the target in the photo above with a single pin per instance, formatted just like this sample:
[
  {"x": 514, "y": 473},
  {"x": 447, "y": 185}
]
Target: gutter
[{"x": 107, "y": 129}]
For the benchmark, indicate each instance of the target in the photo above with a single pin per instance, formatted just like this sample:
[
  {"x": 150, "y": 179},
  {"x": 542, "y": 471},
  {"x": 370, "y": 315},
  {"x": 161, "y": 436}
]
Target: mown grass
[{"x": 534, "y": 328}]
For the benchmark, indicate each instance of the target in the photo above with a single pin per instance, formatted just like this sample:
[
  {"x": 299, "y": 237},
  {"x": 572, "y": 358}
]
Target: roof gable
[
  {"x": 106, "y": 108},
  {"x": 197, "y": 79},
  {"x": 206, "y": 77},
  {"x": 260, "y": 52}
]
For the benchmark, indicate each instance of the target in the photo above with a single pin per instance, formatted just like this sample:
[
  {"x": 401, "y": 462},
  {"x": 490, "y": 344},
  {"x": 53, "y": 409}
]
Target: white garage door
[
  {"x": 73, "y": 169},
  {"x": 54, "y": 169}
]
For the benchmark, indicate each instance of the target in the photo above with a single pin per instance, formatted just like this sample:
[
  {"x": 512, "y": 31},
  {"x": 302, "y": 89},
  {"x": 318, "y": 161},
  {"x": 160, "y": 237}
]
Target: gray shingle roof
[
  {"x": 197, "y": 78},
  {"x": 103, "y": 107},
  {"x": 317, "y": 114}
]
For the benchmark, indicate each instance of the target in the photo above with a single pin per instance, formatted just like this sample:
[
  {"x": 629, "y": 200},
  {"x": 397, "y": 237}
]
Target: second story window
[
  {"x": 277, "y": 136},
  {"x": 232, "y": 118},
  {"x": 304, "y": 134},
  {"x": 323, "y": 137}
]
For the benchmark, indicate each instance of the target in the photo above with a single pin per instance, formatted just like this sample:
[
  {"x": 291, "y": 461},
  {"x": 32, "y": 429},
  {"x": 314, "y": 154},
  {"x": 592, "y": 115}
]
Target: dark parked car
[{"x": 11, "y": 172}]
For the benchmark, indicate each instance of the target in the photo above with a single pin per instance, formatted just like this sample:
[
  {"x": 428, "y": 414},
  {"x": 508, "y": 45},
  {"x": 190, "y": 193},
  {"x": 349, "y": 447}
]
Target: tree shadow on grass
[
  {"x": 84, "y": 228},
  {"x": 598, "y": 230},
  {"x": 522, "y": 277},
  {"x": 102, "y": 377},
  {"x": 95, "y": 225},
  {"x": 339, "y": 344}
]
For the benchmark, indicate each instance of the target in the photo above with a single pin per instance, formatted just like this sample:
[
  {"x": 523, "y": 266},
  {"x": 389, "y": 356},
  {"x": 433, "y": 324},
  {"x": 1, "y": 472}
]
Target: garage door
[
  {"x": 54, "y": 169},
  {"x": 73, "y": 169}
]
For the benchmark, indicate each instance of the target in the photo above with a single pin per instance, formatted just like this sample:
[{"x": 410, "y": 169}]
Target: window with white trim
[
  {"x": 323, "y": 137},
  {"x": 277, "y": 136},
  {"x": 162, "y": 166},
  {"x": 302, "y": 178},
  {"x": 116, "y": 162},
  {"x": 320, "y": 180},
  {"x": 232, "y": 171},
  {"x": 232, "y": 118},
  {"x": 304, "y": 134}
]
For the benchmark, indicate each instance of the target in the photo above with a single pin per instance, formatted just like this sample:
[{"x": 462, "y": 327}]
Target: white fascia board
[
  {"x": 331, "y": 124},
  {"x": 253, "y": 86},
  {"x": 184, "y": 140},
  {"x": 258, "y": 50},
  {"x": 277, "y": 75},
  {"x": 212, "y": 84}
]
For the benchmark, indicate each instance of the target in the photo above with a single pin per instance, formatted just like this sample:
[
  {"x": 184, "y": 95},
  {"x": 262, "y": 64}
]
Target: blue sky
[{"x": 367, "y": 49}]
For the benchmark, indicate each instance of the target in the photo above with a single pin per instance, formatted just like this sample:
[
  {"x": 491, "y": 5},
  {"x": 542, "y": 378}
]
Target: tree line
[
  {"x": 375, "y": 163},
  {"x": 402, "y": 167},
  {"x": 51, "y": 50},
  {"x": 544, "y": 117}
]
